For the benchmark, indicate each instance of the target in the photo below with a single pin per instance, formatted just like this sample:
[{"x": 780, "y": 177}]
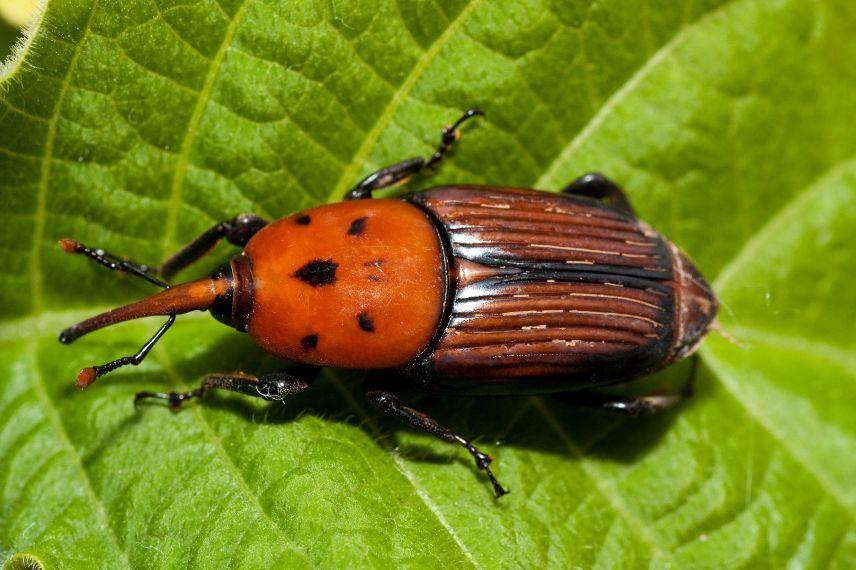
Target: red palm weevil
[{"x": 460, "y": 290}]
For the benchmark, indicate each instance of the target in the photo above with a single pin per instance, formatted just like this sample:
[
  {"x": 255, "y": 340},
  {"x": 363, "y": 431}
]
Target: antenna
[{"x": 196, "y": 295}]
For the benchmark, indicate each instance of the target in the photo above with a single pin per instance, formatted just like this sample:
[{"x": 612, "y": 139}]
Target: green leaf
[{"x": 136, "y": 125}]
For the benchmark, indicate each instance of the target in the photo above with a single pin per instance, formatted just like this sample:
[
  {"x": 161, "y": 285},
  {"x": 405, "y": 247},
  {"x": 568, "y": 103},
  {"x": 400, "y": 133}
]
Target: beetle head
[{"x": 233, "y": 308}]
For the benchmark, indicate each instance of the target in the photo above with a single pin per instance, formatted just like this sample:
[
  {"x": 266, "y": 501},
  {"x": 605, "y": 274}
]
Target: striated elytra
[{"x": 460, "y": 290}]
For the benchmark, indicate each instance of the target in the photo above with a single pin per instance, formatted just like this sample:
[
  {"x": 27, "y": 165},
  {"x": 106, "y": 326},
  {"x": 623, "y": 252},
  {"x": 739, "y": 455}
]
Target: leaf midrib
[
  {"x": 753, "y": 247},
  {"x": 810, "y": 348},
  {"x": 779, "y": 221},
  {"x": 835, "y": 493},
  {"x": 548, "y": 179}
]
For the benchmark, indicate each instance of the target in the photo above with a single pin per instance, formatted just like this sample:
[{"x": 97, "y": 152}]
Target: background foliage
[
  {"x": 135, "y": 125},
  {"x": 8, "y": 35}
]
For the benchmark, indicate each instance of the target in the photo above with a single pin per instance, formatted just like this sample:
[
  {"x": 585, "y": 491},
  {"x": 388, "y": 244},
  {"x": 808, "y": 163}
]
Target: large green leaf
[{"x": 135, "y": 125}]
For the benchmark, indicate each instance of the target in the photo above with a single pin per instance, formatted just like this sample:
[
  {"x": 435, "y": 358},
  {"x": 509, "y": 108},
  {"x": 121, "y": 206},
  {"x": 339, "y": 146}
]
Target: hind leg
[
  {"x": 596, "y": 185},
  {"x": 629, "y": 406}
]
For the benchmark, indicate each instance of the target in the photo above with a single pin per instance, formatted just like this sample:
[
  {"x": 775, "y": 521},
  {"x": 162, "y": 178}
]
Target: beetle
[{"x": 459, "y": 290}]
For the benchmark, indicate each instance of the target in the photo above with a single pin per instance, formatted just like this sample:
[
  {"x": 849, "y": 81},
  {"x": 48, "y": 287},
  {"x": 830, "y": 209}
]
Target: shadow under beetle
[{"x": 462, "y": 290}]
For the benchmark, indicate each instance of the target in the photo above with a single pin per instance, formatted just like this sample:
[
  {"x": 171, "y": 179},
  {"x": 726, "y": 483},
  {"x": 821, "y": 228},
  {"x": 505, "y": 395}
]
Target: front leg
[
  {"x": 387, "y": 402},
  {"x": 400, "y": 172},
  {"x": 387, "y": 177},
  {"x": 236, "y": 231},
  {"x": 278, "y": 386}
]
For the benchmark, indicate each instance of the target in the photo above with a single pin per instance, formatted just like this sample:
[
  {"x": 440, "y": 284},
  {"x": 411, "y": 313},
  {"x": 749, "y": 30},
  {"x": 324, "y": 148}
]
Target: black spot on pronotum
[
  {"x": 309, "y": 342},
  {"x": 303, "y": 220},
  {"x": 318, "y": 272},
  {"x": 358, "y": 226},
  {"x": 366, "y": 322}
]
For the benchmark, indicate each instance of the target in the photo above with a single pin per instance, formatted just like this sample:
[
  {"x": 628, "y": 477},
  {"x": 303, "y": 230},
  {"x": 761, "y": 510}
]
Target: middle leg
[{"x": 278, "y": 386}]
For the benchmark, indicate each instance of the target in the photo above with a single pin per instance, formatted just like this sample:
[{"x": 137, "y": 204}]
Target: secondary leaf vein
[
  {"x": 352, "y": 170},
  {"x": 174, "y": 202},
  {"x": 549, "y": 178},
  {"x": 44, "y": 172},
  {"x": 71, "y": 452},
  {"x": 836, "y": 493},
  {"x": 230, "y": 465},
  {"x": 606, "y": 490},
  {"x": 407, "y": 474}
]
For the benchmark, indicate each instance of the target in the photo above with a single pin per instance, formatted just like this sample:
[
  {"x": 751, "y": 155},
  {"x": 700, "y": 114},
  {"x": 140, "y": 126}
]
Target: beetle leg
[
  {"x": 639, "y": 406},
  {"x": 596, "y": 185},
  {"x": 390, "y": 404},
  {"x": 278, "y": 386},
  {"x": 400, "y": 172},
  {"x": 643, "y": 405},
  {"x": 112, "y": 262},
  {"x": 236, "y": 231},
  {"x": 449, "y": 135}
]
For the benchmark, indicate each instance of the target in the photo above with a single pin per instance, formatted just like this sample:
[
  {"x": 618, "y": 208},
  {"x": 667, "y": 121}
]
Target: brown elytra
[{"x": 553, "y": 292}]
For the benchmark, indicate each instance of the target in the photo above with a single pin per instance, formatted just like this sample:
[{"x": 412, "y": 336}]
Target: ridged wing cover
[{"x": 551, "y": 292}]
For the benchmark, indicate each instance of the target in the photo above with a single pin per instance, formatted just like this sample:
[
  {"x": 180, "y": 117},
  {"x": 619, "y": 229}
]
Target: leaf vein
[
  {"x": 71, "y": 452},
  {"x": 174, "y": 203},
  {"x": 162, "y": 15},
  {"x": 333, "y": 95},
  {"x": 778, "y": 222},
  {"x": 549, "y": 177},
  {"x": 19, "y": 111},
  {"x": 755, "y": 411},
  {"x": 607, "y": 491},
  {"x": 229, "y": 463},
  {"x": 45, "y": 171},
  {"x": 398, "y": 462},
  {"x": 350, "y": 172},
  {"x": 840, "y": 355}
]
